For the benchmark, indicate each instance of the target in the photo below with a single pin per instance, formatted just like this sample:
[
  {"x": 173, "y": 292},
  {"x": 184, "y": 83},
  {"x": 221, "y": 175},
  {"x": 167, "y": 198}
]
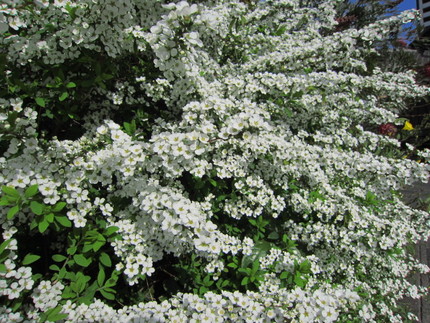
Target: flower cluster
[
  {"x": 241, "y": 150},
  {"x": 317, "y": 306},
  {"x": 46, "y": 295},
  {"x": 14, "y": 282}
]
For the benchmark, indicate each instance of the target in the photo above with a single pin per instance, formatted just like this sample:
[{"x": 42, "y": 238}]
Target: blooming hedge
[{"x": 219, "y": 161}]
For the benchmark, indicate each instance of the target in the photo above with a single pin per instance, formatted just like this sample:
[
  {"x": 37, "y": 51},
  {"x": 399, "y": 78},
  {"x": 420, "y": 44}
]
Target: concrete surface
[{"x": 421, "y": 307}]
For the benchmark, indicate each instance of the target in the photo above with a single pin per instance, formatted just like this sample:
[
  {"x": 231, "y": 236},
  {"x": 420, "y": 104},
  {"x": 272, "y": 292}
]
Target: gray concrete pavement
[{"x": 421, "y": 307}]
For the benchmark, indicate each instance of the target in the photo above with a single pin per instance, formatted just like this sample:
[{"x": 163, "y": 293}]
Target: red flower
[{"x": 387, "y": 129}]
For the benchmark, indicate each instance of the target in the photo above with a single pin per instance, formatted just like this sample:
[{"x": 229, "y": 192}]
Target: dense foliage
[{"x": 217, "y": 161}]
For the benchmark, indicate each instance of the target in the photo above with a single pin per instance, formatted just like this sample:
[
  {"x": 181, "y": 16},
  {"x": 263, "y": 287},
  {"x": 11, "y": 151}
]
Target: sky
[{"x": 407, "y": 4}]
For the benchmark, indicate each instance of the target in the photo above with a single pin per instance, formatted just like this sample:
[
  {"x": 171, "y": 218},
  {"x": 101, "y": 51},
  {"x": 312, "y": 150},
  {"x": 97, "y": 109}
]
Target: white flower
[
  {"x": 193, "y": 38},
  {"x": 329, "y": 314}
]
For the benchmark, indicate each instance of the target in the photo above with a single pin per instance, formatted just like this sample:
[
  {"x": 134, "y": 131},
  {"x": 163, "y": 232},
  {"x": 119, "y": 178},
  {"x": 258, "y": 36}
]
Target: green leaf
[
  {"x": 207, "y": 280},
  {"x": 105, "y": 259},
  {"x": 284, "y": 238},
  {"x": 16, "y": 305},
  {"x": 112, "y": 280},
  {"x": 213, "y": 182},
  {"x": 54, "y": 267},
  {"x": 81, "y": 260},
  {"x": 100, "y": 237},
  {"x": 220, "y": 283},
  {"x": 83, "y": 278},
  {"x": 12, "y": 211},
  {"x": 101, "y": 276},
  {"x": 221, "y": 198},
  {"x": 87, "y": 248},
  {"x": 4, "y": 245},
  {"x": 71, "y": 250},
  {"x": 71, "y": 10},
  {"x": 67, "y": 293},
  {"x": 58, "y": 258},
  {"x": 62, "y": 273},
  {"x": 31, "y": 191},
  {"x": 70, "y": 85},
  {"x": 64, "y": 221},
  {"x": 36, "y": 277},
  {"x": 245, "y": 271},
  {"x": 29, "y": 259},
  {"x": 133, "y": 126},
  {"x": 55, "y": 315},
  {"x": 42, "y": 226},
  {"x": 59, "y": 206},
  {"x": 111, "y": 230},
  {"x": 225, "y": 283},
  {"x": 232, "y": 265},
  {"x": 288, "y": 112},
  {"x": 127, "y": 128},
  {"x": 284, "y": 275},
  {"x": 281, "y": 30},
  {"x": 48, "y": 113},
  {"x": 299, "y": 281},
  {"x": 108, "y": 289},
  {"x": 305, "y": 267},
  {"x": 273, "y": 236},
  {"x": 255, "y": 266},
  {"x": 4, "y": 255},
  {"x": 3, "y": 268},
  {"x": 41, "y": 102},
  {"x": 106, "y": 77},
  {"x": 11, "y": 192},
  {"x": 49, "y": 217},
  {"x": 63, "y": 96},
  {"x": 91, "y": 234},
  {"x": 202, "y": 290},
  {"x": 4, "y": 201},
  {"x": 33, "y": 224},
  {"x": 107, "y": 295},
  {"x": 82, "y": 282},
  {"x": 244, "y": 281},
  {"x": 70, "y": 275},
  {"x": 97, "y": 245},
  {"x": 88, "y": 296},
  {"x": 36, "y": 207}
]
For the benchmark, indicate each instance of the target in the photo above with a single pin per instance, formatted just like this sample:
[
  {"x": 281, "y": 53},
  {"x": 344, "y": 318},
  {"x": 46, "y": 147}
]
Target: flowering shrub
[{"x": 202, "y": 162}]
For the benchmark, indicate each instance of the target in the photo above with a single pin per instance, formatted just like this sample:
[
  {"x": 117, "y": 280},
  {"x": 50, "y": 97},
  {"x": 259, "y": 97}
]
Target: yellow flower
[{"x": 408, "y": 126}]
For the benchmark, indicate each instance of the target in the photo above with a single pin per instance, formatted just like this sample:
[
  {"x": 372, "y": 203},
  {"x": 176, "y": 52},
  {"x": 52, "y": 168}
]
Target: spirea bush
[{"x": 207, "y": 162}]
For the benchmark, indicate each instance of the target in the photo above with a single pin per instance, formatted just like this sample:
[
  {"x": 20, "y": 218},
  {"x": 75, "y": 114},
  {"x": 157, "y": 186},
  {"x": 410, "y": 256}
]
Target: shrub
[{"x": 202, "y": 162}]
